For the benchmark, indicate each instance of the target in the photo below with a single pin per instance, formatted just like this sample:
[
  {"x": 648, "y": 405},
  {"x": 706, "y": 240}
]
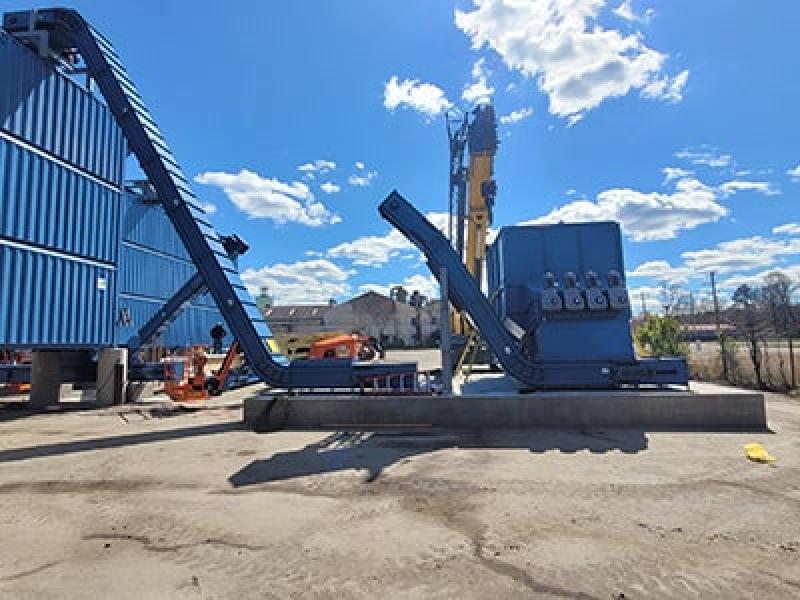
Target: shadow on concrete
[
  {"x": 119, "y": 441},
  {"x": 12, "y": 410},
  {"x": 375, "y": 451}
]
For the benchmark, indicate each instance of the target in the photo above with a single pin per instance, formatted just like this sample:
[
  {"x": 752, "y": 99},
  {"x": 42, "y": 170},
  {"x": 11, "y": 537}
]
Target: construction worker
[{"x": 217, "y": 334}]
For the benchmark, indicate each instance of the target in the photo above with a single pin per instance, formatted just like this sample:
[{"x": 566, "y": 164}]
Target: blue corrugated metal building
[
  {"x": 84, "y": 262},
  {"x": 153, "y": 263}
]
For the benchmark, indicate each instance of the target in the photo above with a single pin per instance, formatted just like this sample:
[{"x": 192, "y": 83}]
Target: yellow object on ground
[{"x": 756, "y": 452}]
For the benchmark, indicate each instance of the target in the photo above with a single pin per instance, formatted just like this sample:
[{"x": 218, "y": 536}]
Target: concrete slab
[{"x": 708, "y": 407}]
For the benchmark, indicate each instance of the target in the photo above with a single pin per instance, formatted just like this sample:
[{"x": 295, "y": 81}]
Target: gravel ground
[{"x": 152, "y": 503}]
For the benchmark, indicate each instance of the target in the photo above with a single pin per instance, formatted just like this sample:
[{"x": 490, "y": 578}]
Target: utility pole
[
  {"x": 720, "y": 335},
  {"x": 644, "y": 304},
  {"x": 445, "y": 339}
]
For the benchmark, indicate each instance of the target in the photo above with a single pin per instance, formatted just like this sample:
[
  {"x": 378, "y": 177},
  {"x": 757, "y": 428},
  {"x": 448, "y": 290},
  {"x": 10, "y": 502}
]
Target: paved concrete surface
[
  {"x": 427, "y": 359},
  {"x": 148, "y": 502}
]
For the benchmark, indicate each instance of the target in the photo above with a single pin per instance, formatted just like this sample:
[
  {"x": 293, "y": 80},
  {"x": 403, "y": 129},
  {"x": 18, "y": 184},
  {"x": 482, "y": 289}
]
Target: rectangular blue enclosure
[
  {"x": 84, "y": 262},
  {"x": 56, "y": 114},
  {"x": 560, "y": 288},
  {"x": 153, "y": 264},
  {"x": 61, "y": 170}
]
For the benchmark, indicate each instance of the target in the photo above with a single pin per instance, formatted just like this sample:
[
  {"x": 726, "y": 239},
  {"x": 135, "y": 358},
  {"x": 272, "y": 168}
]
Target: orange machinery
[
  {"x": 184, "y": 376},
  {"x": 351, "y": 346},
  {"x": 216, "y": 382},
  {"x": 15, "y": 358},
  {"x": 185, "y": 379}
]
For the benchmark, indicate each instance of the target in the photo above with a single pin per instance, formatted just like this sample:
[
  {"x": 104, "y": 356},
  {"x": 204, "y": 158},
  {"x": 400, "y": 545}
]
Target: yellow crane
[{"x": 472, "y": 192}]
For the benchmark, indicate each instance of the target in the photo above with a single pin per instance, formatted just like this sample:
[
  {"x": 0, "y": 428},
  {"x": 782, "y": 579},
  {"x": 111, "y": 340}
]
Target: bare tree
[
  {"x": 747, "y": 301},
  {"x": 675, "y": 300},
  {"x": 777, "y": 295}
]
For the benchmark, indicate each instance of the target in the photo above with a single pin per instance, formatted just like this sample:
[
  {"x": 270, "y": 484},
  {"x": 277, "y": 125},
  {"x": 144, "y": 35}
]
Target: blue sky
[{"x": 676, "y": 118}]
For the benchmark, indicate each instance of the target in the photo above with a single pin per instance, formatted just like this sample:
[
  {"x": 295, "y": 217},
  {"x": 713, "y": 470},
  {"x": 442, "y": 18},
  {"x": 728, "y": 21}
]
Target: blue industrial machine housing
[
  {"x": 153, "y": 265},
  {"x": 551, "y": 327},
  {"x": 78, "y": 249},
  {"x": 63, "y": 36},
  {"x": 561, "y": 285},
  {"x": 61, "y": 173}
]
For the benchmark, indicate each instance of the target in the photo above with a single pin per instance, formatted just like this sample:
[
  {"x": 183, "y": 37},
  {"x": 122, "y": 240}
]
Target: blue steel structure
[
  {"x": 162, "y": 320},
  {"x": 543, "y": 335},
  {"x": 561, "y": 285},
  {"x": 65, "y": 34},
  {"x": 61, "y": 171},
  {"x": 78, "y": 249},
  {"x": 152, "y": 264}
]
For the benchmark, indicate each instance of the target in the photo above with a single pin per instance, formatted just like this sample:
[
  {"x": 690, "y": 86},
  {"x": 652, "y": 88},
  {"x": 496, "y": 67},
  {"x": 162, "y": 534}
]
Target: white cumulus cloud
[
  {"x": 740, "y": 185},
  {"x": 329, "y": 187},
  {"x": 426, "y": 98},
  {"x": 667, "y": 88},
  {"x": 625, "y": 11},
  {"x": 371, "y": 250},
  {"x": 757, "y": 279},
  {"x": 320, "y": 166},
  {"x": 787, "y": 228},
  {"x": 424, "y": 284},
  {"x": 362, "y": 179},
  {"x": 671, "y": 173},
  {"x": 706, "y": 156},
  {"x": 743, "y": 260},
  {"x": 377, "y": 250},
  {"x": 660, "y": 270},
  {"x": 303, "y": 282},
  {"x": 574, "y": 59},
  {"x": 742, "y": 254},
  {"x": 515, "y": 116},
  {"x": 479, "y": 90},
  {"x": 645, "y": 216},
  {"x": 794, "y": 173},
  {"x": 268, "y": 198}
]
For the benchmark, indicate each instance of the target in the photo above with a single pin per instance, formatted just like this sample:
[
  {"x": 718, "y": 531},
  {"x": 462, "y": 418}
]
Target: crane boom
[
  {"x": 481, "y": 187},
  {"x": 472, "y": 194}
]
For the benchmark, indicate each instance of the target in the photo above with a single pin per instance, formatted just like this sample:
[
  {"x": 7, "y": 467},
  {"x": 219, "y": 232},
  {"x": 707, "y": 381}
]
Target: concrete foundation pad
[{"x": 704, "y": 407}]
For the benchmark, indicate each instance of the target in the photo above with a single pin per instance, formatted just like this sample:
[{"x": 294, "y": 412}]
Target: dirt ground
[{"x": 151, "y": 503}]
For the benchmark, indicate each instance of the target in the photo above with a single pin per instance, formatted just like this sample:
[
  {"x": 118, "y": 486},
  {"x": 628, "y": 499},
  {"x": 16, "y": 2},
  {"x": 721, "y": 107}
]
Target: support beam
[
  {"x": 112, "y": 376},
  {"x": 46, "y": 378},
  {"x": 445, "y": 339}
]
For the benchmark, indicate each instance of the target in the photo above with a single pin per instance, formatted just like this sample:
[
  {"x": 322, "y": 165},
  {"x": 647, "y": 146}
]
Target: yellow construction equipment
[{"x": 472, "y": 195}]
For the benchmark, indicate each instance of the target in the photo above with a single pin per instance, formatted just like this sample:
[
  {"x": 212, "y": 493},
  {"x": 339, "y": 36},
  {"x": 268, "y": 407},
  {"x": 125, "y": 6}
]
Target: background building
[{"x": 392, "y": 322}]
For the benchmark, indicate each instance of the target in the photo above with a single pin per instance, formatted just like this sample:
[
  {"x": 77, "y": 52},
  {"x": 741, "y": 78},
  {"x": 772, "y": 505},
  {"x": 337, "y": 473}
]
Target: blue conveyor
[{"x": 466, "y": 296}]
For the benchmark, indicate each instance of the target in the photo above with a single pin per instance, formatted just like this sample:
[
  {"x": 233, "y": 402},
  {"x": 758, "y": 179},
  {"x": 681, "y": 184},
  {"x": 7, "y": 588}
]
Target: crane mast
[
  {"x": 472, "y": 192},
  {"x": 481, "y": 187}
]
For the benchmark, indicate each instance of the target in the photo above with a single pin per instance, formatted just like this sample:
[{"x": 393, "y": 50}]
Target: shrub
[{"x": 661, "y": 336}]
